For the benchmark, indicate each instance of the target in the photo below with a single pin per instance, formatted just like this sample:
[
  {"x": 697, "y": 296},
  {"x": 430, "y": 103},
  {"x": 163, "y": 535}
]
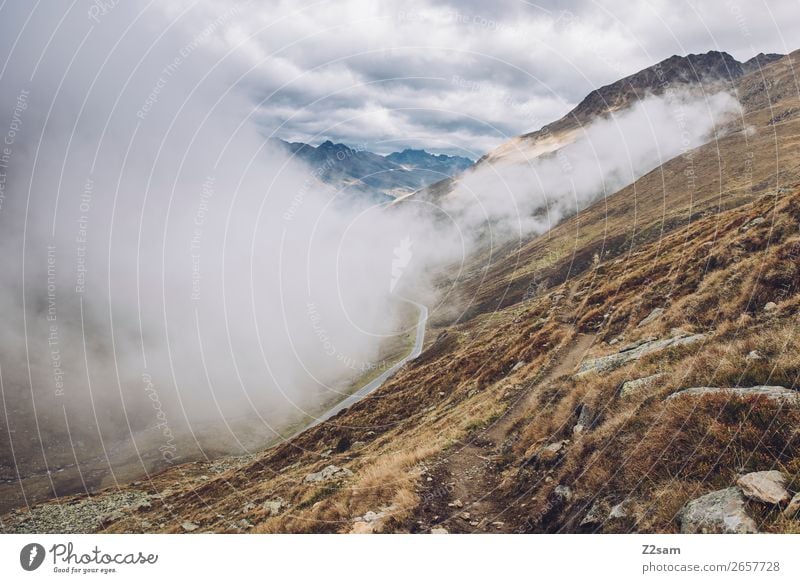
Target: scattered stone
[
  {"x": 621, "y": 510},
  {"x": 793, "y": 509},
  {"x": 518, "y": 365},
  {"x": 635, "y": 352},
  {"x": 654, "y": 315},
  {"x": 596, "y": 515},
  {"x": 456, "y": 504},
  {"x": 549, "y": 453},
  {"x": 439, "y": 530},
  {"x": 780, "y": 394},
  {"x": 275, "y": 506},
  {"x": 767, "y": 487},
  {"x": 586, "y": 418},
  {"x": 80, "y": 515},
  {"x": 429, "y": 479},
  {"x": 755, "y": 222},
  {"x": 770, "y": 307},
  {"x": 719, "y": 512},
  {"x": 563, "y": 493},
  {"x": 641, "y": 385},
  {"x": 328, "y": 473},
  {"x": 498, "y": 524},
  {"x": 753, "y": 356},
  {"x": 189, "y": 526},
  {"x": 466, "y": 515}
]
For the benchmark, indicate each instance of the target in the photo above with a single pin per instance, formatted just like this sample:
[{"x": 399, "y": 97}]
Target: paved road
[{"x": 378, "y": 381}]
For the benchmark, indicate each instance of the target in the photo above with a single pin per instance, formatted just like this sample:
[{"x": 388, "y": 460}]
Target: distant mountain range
[{"x": 358, "y": 171}]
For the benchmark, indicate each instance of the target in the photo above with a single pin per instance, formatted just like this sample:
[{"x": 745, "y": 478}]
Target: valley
[{"x": 633, "y": 368}]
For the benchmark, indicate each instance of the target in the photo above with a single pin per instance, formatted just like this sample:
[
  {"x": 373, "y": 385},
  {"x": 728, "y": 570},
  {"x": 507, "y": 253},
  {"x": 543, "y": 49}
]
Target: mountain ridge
[{"x": 371, "y": 175}]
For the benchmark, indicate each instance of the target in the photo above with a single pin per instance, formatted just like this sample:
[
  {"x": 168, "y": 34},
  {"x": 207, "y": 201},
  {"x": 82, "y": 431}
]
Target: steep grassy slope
[{"x": 484, "y": 421}]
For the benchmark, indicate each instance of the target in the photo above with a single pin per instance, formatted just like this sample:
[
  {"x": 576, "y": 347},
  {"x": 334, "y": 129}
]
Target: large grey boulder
[
  {"x": 635, "y": 352},
  {"x": 328, "y": 473},
  {"x": 720, "y": 512},
  {"x": 767, "y": 487},
  {"x": 780, "y": 394}
]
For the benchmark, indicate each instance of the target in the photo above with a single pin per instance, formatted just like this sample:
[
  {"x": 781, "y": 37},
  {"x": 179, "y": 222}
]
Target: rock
[
  {"x": 550, "y": 453},
  {"x": 654, "y": 315},
  {"x": 189, "y": 526},
  {"x": 719, "y": 512},
  {"x": 563, "y": 493},
  {"x": 754, "y": 355},
  {"x": 770, "y": 307},
  {"x": 780, "y": 394},
  {"x": 641, "y": 385},
  {"x": 367, "y": 524},
  {"x": 372, "y": 516},
  {"x": 755, "y": 222},
  {"x": 518, "y": 365},
  {"x": 328, "y": 473},
  {"x": 439, "y": 530},
  {"x": 793, "y": 509},
  {"x": 596, "y": 515},
  {"x": 498, "y": 524},
  {"x": 466, "y": 515},
  {"x": 621, "y": 510},
  {"x": 274, "y": 506},
  {"x": 767, "y": 487},
  {"x": 635, "y": 352},
  {"x": 586, "y": 418},
  {"x": 456, "y": 504}
]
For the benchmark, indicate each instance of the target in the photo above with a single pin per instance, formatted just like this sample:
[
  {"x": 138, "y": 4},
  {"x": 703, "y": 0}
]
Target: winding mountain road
[{"x": 371, "y": 386}]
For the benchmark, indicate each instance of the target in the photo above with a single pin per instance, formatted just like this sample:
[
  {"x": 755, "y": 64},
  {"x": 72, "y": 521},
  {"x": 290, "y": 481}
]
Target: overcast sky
[{"x": 453, "y": 75}]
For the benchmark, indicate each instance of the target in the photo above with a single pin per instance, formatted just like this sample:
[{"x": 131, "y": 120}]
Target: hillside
[{"x": 557, "y": 401}]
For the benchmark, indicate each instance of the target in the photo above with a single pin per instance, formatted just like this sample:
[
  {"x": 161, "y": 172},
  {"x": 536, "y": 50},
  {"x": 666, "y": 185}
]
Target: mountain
[
  {"x": 698, "y": 72},
  {"x": 381, "y": 178},
  {"x": 632, "y": 369}
]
